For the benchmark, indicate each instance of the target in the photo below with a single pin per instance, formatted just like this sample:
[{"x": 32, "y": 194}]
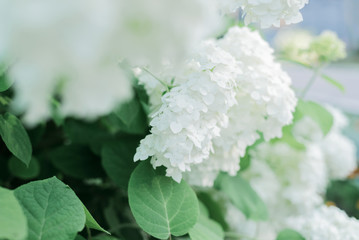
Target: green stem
[
  {"x": 89, "y": 236},
  {"x": 311, "y": 81},
  {"x": 155, "y": 77}
]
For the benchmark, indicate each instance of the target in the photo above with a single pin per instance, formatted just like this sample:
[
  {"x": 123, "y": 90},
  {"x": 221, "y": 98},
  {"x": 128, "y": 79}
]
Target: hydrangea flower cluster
[
  {"x": 268, "y": 12},
  {"x": 230, "y": 89},
  {"x": 328, "y": 223},
  {"x": 292, "y": 181}
]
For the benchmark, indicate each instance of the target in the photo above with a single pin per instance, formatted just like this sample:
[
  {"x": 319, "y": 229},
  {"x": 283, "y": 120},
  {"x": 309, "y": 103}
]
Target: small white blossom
[{"x": 267, "y": 12}]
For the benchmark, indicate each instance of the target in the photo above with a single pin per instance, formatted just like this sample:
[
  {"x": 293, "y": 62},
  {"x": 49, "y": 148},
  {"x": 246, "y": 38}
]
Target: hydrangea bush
[{"x": 163, "y": 119}]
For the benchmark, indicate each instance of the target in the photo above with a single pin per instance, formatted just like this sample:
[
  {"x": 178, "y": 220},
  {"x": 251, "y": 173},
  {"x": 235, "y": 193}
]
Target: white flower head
[
  {"x": 231, "y": 89},
  {"x": 329, "y": 223}
]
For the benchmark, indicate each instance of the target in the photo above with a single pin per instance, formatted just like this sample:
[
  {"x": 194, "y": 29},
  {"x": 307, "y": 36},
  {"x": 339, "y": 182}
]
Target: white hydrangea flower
[
  {"x": 192, "y": 113},
  {"x": 258, "y": 98},
  {"x": 77, "y": 45},
  {"x": 248, "y": 229},
  {"x": 302, "y": 176},
  {"x": 339, "y": 150},
  {"x": 267, "y": 12},
  {"x": 340, "y": 155},
  {"x": 329, "y": 223},
  {"x": 294, "y": 44}
]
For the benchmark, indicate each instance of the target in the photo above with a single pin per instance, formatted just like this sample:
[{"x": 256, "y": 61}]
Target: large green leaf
[
  {"x": 52, "y": 209},
  {"x": 19, "y": 169},
  {"x": 288, "y": 234},
  {"x": 76, "y": 161},
  {"x": 132, "y": 118},
  {"x": 117, "y": 160},
  {"x": 15, "y": 137},
  {"x": 316, "y": 112},
  {"x": 206, "y": 229},
  {"x": 13, "y": 224},
  {"x": 160, "y": 205},
  {"x": 215, "y": 207},
  {"x": 92, "y": 223},
  {"x": 244, "y": 197}
]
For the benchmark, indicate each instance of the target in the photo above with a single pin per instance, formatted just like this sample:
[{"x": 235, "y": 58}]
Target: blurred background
[{"x": 342, "y": 17}]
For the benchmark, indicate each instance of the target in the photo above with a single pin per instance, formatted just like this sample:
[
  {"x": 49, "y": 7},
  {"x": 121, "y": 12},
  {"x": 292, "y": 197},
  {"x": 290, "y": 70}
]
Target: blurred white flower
[
  {"x": 301, "y": 46},
  {"x": 329, "y": 223},
  {"x": 267, "y": 12},
  {"x": 251, "y": 93},
  {"x": 77, "y": 45},
  {"x": 248, "y": 229},
  {"x": 292, "y": 181},
  {"x": 339, "y": 150},
  {"x": 298, "y": 177},
  {"x": 294, "y": 45}
]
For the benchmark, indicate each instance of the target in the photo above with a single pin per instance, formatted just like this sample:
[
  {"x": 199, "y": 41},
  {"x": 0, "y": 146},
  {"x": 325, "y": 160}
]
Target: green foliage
[
  {"x": 161, "y": 206},
  {"x": 214, "y": 207},
  {"x": 15, "y": 137},
  {"x": 345, "y": 194},
  {"x": 117, "y": 160},
  {"x": 76, "y": 161},
  {"x": 244, "y": 197},
  {"x": 288, "y": 234},
  {"x": 20, "y": 170},
  {"x": 91, "y": 222},
  {"x": 132, "y": 118},
  {"x": 206, "y": 229},
  {"x": 5, "y": 83},
  {"x": 13, "y": 223},
  {"x": 52, "y": 209},
  {"x": 289, "y": 138},
  {"x": 316, "y": 112}
]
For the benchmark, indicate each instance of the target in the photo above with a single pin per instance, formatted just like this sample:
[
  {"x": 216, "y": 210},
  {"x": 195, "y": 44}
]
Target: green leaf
[
  {"x": 52, "y": 209},
  {"x": 5, "y": 83},
  {"x": 288, "y": 234},
  {"x": 245, "y": 161},
  {"x": 160, "y": 205},
  {"x": 315, "y": 111},
  {"x": 76, "y": 161},
  {"x": 18, "y": 169},
  {"x": 206, "y": 229},
  {"x": 15, "y": 137},
  {"x": 92, "y": 223},
  {"x": 215, "y": 208},
  {"x": 334, "y": 82},
  {"x": 13, "y": 224},
  {"x": 287, "y": 136},
  {"x": 79, "y": 237},
  {"x": 117, "y": 160},
  {"x": 244, "y": 197},
  {"x": 132, "y": 118}
]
